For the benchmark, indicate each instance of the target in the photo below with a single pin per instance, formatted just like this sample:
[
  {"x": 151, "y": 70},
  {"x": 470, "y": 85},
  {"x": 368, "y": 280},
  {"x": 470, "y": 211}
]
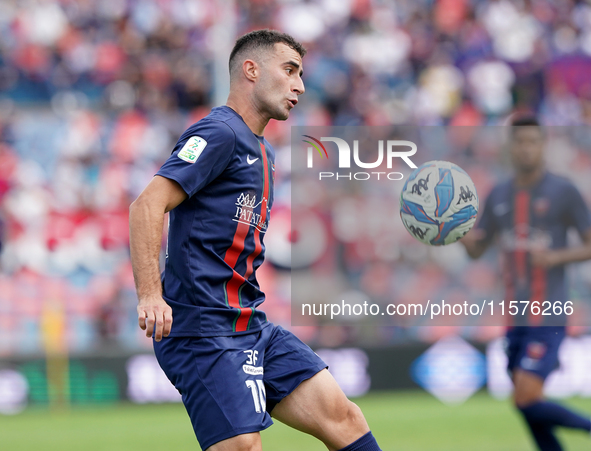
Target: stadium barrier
[{"x": 452, "y": 370}]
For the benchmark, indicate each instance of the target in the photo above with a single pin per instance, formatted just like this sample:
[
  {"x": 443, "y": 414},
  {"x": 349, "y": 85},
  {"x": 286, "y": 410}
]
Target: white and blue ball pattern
[{"x": 438, "y": 204}]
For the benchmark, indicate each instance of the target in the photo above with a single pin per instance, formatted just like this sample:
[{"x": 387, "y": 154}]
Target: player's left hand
[
  {"x": 155, "y": 317},
  {"x": 545, "y": 258}
]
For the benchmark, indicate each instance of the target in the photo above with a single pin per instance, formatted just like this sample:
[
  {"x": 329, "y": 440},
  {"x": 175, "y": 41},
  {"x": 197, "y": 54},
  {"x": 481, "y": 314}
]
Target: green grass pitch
[{"x": 400, "y": 420}]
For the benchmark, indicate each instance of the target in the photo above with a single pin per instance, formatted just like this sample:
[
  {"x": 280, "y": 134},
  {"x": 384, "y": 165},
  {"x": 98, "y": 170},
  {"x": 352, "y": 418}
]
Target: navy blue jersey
[
  {"x": 526, "y": 219},
  {"x": 215, "y": 237}
]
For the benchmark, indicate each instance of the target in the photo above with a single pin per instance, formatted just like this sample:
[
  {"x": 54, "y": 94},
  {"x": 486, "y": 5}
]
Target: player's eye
[{"x": 289, "y": 70}]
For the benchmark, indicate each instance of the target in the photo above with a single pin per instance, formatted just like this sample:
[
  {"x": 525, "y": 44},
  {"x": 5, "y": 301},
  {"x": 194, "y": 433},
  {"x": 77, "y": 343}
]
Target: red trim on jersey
[
  {"x": 237, "y": 246},
  {"x": 245, "y": 313},
  {"x": 537, "y": 286},
  {"x": 231, "y": 257},
  {"x": 509, "y": 286},
  {"x": 521, "y": 222},
  {"x": 538, "y": 293}
]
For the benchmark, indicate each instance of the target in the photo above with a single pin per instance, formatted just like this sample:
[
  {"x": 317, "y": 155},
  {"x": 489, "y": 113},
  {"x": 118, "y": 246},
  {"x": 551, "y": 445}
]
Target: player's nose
[{"x": 299, "y": 87}]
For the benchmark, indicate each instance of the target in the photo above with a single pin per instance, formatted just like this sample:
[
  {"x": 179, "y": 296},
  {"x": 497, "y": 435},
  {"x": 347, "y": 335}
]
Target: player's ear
[{"x": 250, "y": 69}]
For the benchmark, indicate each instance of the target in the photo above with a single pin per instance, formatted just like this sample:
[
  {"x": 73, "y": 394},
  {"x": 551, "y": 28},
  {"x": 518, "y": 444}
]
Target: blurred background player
[
  {"x": 242, "y": 368},
  {"x": 530, "y": 215}
]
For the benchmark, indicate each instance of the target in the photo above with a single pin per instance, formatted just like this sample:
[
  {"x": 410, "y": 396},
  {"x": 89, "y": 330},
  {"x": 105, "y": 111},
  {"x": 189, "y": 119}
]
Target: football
[{"x": 438, "y": 203}]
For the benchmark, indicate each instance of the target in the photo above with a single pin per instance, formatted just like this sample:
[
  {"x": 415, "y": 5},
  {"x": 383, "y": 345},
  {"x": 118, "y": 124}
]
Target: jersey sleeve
[
  {"x": 577, "y": 213},
  {"x": 200, "y": 155},
  {"x": 487, "y": 220}
]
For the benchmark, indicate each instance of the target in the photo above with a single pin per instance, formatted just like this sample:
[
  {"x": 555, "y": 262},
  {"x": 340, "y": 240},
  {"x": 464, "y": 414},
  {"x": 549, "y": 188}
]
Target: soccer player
[
  {"x": 233, "y": 368},
  {"x": 530, "y": 214}
]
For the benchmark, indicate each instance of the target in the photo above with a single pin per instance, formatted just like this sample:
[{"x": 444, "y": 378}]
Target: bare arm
[
  {"x": 554, "y": 257},
  {"x": 475, "y": 243},
  {"x": 146, "y": 220}
]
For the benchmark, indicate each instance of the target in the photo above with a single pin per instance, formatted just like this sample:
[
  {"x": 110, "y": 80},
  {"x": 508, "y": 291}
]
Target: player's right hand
[
  {"x": 473, "y": 235},
  {"x": 474, "y": 242},
  {"x": 155, "y": 317}
]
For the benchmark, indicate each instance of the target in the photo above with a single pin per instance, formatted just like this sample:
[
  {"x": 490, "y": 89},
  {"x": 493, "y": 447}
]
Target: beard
[
  {"x": 273, "y": 106},
  {"x": 276, "y": 110},
  {"x": 528, "y": 163},
  {"x": 528, "y": 168},
  {"x": 281, "y": 115}
]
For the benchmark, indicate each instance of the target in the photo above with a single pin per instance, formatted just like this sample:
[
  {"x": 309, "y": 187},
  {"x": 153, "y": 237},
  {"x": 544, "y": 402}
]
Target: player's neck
[
  {"x": 525, "y": 179},
  {"x": 249, "y": 113}
]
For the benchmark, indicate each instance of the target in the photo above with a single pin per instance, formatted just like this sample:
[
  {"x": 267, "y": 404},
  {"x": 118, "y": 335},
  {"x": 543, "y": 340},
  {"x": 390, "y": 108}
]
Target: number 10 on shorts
[{"x": 259, "y": 396}]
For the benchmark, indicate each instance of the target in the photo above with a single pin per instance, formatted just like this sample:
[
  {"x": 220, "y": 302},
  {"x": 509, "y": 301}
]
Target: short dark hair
[
  {"x": 263, "y": 39},
  {"x": 525, "y": 121}
]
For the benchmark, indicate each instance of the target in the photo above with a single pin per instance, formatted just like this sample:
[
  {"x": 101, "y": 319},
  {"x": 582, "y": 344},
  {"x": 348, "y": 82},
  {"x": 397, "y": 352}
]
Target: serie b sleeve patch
[{"x": 192, "y": 149}]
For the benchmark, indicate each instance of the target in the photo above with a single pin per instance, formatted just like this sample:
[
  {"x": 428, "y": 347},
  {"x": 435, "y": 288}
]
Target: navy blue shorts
[
  {"x": 534, "y": 349},
  {"x": 229, "y": 385}
]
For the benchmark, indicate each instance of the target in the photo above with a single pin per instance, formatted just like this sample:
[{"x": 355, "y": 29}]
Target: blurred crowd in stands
[{"x": 94, "y": 94}]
